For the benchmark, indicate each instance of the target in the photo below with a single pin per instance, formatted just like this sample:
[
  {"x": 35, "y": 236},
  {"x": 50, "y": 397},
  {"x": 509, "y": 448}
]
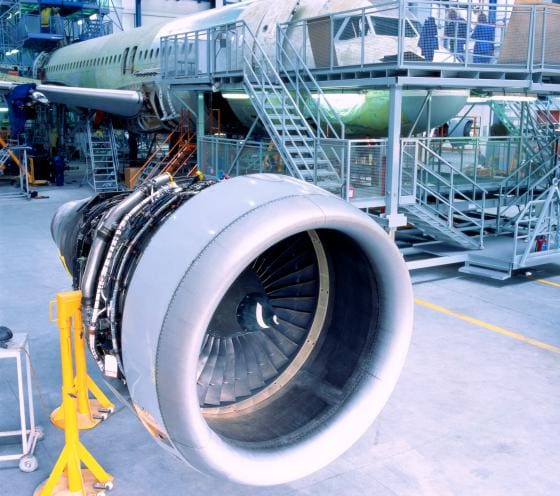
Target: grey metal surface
[{"x": 126, "y": 103}]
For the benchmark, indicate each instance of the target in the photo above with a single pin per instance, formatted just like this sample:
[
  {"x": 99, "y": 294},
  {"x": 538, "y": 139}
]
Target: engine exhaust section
[{"x": 259, "y": 323}]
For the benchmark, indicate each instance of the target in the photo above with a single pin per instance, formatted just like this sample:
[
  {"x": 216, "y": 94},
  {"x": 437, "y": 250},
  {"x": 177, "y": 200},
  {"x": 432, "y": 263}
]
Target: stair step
[
  {"x": 330, "y": 185},
  {"x": 290, "y": 127},
  {"x": 310, "y": 162},
  {"x": 306, "y": 173},
  {"x": 299, "y": 149},
  {"x": 437, "y": 228},
  {"x": 480, "y": 271}
]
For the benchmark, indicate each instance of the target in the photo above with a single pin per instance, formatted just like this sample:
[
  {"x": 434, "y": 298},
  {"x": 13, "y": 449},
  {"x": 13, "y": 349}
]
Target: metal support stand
[
  {"x": 91, "y": 411},
  {"x": 20, "y": 159},
  {"x": 68, "y": 476},
  {"x": 18, "y": 348}
]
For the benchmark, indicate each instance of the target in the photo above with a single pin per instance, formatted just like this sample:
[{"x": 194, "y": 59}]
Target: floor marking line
[
  {"x": 544, "y": 281},
  {"x": 490, "y": 327}
]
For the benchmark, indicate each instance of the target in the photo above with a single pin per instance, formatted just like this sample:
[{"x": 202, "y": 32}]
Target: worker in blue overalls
[
  {"x": 483, "y": 34},
  {"x": 58, "y": 165}
]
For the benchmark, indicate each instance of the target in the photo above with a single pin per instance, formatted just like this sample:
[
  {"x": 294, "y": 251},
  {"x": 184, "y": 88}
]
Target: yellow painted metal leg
[
  {"x": 56, "y": 474},
  {"x": 99, "y": 394},
  {"x": 90, "y": 462},
  {"x": 91, "y": 411},
  {"x": 67, "y": 476}
]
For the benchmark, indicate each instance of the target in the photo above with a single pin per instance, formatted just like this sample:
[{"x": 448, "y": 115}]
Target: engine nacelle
[{"x": 260, "y": 323}]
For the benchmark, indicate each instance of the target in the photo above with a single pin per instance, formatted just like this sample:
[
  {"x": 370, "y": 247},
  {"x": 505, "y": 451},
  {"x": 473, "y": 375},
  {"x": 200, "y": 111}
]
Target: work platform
[
  {"x": 524, "y": 53},
  {"x": 456, "y": 190},
  {"x": 28, "y": 27}
]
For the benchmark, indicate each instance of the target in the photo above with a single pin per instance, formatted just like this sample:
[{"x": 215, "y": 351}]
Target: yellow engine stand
[
  {"x": 91, "y": 411},
  {"x": 68, "y": 478}
]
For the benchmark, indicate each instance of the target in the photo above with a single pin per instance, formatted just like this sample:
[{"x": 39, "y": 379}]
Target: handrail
[
  {"x": 175, "y": 151},
  {"x": 114, "y": 150},
  {"x": 181, "y": 158},
  {"x": 454, "y": 209},
  {"x": 453, "y": 193},
  {"x": 264, "y": 62},
  {"x": 445, "y": 182},
  {"x": 147, "y": 162},
  {"x": 286, "y": 157},
  {"x": 527, "y": 162},
  {"x": 283, "y": 39},
  {"x": 530, "y": 192},
  {"x": 532, "y": 233},
  {"x": 448, "y": 164}
]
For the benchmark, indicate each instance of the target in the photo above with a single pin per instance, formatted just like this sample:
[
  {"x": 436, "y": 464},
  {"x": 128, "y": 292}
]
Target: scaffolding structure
[
  {"x": 29, "y": 27},
  {"x": 479, "y": 200}
]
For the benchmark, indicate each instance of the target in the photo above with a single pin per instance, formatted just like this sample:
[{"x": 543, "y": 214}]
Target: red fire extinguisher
[{"x": 542, "y": 244}]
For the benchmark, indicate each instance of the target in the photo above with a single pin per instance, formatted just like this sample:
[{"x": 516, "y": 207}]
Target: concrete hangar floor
[{"x": 476, "y": 411}]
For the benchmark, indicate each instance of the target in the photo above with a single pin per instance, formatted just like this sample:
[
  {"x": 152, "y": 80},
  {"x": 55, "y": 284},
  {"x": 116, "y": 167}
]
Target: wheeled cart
[{"x": 18, "y": 349}]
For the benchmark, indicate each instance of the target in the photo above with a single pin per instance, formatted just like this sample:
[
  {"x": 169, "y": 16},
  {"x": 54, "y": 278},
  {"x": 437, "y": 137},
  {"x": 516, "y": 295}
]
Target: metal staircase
[
  {"x": 102, "y": 156},
  {"x": 526, "y": 183},
  {"x": 170, "y": 157},
  {"x": 538, "y": 227},
  {"x": 530, "y": 120},
  {"x": 439, "y": 210},
  {"x": 296, "y": 131},
  {"x": 435, "y": 226}
]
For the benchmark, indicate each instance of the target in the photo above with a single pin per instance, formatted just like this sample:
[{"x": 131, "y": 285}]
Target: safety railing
[
  {"x": 173, "y": 155},
  {"x": 530, "y": 119},
  {"x": 484, "y": 160},
  {"x": 279, "y": 112},
  {"x": 287, "y": 98},
  {"x": 32, "y": 25},
  {"x": 307, "y": 93},
  {"x": 186, "y": 55},
  {"x": 220, "y": 157},
  {"x": 481, "y": 35},
  {"x": 445, "y": 192},
  {"x": 538, "y": 227},
  {"x": 536, "y": 165},
  {"x": 366, "y": 174},
  {"x": 360, "y": 164},
  {"x": 527, "y": 182}
]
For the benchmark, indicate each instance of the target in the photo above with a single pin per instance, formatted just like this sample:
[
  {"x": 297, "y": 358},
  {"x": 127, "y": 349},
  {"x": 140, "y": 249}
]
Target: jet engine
[{"x": 259, "y": 323}]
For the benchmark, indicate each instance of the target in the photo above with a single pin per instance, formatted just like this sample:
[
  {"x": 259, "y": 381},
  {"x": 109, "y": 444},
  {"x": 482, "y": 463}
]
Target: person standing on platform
[
  {"x": 428, "y": 41},
  {"x": 455, "y": 33},
  {"x": 46, "y": 13},
  {"x": 483, "y": 35}
]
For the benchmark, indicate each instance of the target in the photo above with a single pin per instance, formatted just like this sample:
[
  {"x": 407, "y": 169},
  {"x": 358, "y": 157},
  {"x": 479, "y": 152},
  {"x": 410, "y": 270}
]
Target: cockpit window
[{"x": 351, "y": 27}]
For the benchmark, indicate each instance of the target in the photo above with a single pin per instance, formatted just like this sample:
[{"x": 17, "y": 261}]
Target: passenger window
[
  {"x": 133, "y": 59},
  {"x": 125, "y": 56}
]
